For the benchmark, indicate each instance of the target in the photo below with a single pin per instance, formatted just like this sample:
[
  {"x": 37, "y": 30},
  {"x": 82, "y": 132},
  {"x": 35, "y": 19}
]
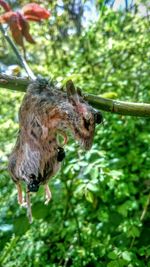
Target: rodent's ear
[
  {"x": 72, "y": 93},
  {"x": 79, "y": 91}
]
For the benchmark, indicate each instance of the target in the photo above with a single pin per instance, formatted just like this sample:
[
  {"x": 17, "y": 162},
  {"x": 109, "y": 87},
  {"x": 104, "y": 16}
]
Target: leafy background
[{"x": 99, "y": 213}]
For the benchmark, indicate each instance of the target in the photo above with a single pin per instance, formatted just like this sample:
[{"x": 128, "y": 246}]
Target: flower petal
[
  {"x": 16, "y": 29},
  {"x": 5, "y": 5},
  {"x": 25, "y": 29},
  {"x": 32, "y": 18},
  {"x": 6, "y": 17},
  {"x": 33, "y": 9}
]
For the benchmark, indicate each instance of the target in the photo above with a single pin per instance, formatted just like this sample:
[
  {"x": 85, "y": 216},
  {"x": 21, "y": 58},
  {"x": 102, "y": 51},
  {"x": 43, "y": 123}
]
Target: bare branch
[{"x": 109, "y": 105}]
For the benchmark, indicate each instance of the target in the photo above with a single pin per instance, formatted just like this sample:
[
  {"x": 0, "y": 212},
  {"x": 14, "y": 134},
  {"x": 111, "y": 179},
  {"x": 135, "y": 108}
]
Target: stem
[
  {"x": 20, "y": 58},
  {"x": 119, "y": 107}
]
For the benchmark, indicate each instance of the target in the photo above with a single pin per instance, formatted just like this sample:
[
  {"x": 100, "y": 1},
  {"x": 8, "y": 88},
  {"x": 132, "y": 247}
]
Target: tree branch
[
  {"x": 109, "y": 105},
  {"x": 119, "y": 107},
  {"x": 14, "y": 83}
]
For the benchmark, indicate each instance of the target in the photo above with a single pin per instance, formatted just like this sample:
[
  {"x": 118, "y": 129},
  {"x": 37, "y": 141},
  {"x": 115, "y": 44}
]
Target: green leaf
[
  {"x": 113, "y": 264},
  {"x": 126, "y": 256},
  {"x": 39, "y": 210},
  {"x": 112, "y": 255},
  {"x": 89, "y": 196},
  {"x": 92, "y": 187},
  {"x": 21, "y": 225},
  {"x": 117, "y": 263}
]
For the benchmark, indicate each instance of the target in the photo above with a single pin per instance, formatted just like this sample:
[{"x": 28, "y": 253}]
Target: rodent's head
[{"x": 84, "y": 116}]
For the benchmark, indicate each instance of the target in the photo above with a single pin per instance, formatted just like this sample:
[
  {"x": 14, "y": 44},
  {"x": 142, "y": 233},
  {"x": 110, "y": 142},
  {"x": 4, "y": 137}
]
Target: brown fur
[{"x": 44, "y": 112}]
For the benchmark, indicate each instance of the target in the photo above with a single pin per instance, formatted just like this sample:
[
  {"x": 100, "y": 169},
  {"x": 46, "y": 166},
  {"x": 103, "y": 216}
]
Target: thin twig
[{"x": 18, "y": 55}]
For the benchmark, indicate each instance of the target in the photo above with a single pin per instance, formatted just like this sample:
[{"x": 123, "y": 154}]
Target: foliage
[{"x": 99, "y": 212}]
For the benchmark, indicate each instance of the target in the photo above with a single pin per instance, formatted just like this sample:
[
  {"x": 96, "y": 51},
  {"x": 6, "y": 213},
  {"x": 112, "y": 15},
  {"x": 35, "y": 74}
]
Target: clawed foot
[
  {"x": 48, "y": 195},
  {"x": 24, "y": 204}
]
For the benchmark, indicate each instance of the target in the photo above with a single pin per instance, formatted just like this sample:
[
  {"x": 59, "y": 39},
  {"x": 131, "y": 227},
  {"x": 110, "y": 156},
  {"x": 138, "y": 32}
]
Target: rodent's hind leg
[
  {"x": 21, "y": 200},
  {"x": 20, "y": 197},
  {"x": 48, "y": 194}
]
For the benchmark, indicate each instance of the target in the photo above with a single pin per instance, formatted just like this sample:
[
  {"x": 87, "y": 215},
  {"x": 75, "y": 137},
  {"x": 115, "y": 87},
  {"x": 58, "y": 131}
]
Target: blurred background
[{"x": 99, "y": 214}]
